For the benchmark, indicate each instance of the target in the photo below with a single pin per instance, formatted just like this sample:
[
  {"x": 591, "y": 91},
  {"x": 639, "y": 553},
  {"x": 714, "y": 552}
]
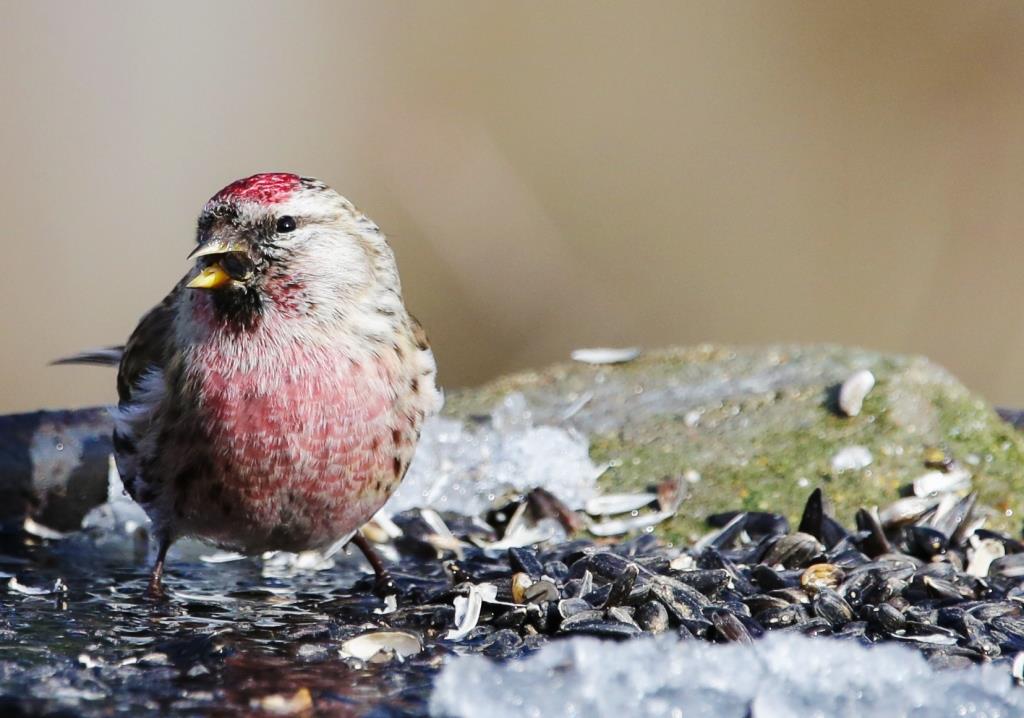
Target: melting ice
[
  {"x": 463, "y": 469},
  {"x": 781, "y": 676}
]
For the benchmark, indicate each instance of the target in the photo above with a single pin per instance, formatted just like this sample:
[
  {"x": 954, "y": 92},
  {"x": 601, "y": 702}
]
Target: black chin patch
[{"x": 240, "y": 308}]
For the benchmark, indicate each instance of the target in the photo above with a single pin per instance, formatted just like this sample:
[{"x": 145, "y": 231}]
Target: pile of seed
[{"x": 921, "y": 572}]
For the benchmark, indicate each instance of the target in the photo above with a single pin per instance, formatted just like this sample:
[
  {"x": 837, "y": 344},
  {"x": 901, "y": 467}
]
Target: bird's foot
[
  {"x": 155, "y": 590},
  {"x": 384, "y": 585}
]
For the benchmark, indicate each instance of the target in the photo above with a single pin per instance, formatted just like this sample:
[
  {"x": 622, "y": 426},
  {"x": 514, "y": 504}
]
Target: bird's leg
[
  {"x": 384, "y": 585},
  {"x": 155, "y": 589}
]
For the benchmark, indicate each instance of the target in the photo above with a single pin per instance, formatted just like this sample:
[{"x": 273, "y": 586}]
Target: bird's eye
[{"x": 285, "y": 224}]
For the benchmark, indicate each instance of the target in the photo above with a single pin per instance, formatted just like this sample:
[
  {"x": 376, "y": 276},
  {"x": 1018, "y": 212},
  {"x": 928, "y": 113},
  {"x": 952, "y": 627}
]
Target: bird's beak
[
  {"x": 211, "y": 277},
  {"x": 218, "y": 245},
  {"x": 214, "y": 276}
]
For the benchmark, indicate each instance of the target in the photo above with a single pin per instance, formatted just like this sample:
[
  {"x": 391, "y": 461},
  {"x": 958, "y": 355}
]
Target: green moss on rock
[{"x": 759, "y": 426}]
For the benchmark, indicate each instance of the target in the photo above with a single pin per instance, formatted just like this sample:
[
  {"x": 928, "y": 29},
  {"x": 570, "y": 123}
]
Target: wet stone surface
[{"x": 237, "y": 638}]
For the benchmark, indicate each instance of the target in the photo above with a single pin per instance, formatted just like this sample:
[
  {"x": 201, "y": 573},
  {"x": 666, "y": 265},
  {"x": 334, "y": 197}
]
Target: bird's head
[{"x": 286, "y": 242}]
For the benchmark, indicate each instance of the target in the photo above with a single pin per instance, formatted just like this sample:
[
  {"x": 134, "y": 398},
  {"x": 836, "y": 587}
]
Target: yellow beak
[{"x": 211, "y": 277}]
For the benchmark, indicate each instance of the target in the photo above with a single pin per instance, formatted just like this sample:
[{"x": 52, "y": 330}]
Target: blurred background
[{"x": 551, "y": 175}]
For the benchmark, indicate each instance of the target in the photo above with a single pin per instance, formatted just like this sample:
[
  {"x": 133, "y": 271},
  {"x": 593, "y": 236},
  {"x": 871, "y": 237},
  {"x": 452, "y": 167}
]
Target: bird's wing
[{"x": 147, "y": 347}]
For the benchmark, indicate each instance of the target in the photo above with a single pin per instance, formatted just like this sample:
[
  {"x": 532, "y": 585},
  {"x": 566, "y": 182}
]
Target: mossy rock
[{"x": 760, "y": 427}]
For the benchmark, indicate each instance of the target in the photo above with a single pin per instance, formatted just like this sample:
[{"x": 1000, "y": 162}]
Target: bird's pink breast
[{"x": 301, "y": 445}]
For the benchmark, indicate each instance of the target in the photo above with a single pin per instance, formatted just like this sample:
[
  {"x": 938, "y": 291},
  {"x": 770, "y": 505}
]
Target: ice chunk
[
  {"x": 463, "y": 469},
  {"x": 781, "y": 676},
  {"x": 120, "y": 516},
  {"x": 16, "y": 586}
]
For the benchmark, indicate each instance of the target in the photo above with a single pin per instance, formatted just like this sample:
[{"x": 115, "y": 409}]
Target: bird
[{"x": 274, "y": 399}]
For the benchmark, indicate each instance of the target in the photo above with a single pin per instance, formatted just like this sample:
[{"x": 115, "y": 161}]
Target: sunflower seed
[{"x": 853, "y": 391}]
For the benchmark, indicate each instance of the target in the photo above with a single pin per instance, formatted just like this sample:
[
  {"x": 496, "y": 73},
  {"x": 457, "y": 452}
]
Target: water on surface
[{"x": 226, "y": 637}]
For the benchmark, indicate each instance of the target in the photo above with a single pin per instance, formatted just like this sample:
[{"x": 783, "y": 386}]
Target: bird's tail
[{"x": 107, "y": 356}]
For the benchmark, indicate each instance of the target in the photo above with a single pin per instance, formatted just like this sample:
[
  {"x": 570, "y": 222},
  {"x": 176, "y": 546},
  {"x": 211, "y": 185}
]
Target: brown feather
[{"x": 419, "y": 334}]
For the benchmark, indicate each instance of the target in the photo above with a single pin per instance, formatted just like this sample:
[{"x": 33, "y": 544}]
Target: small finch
[{"x": 273, "y": 400}]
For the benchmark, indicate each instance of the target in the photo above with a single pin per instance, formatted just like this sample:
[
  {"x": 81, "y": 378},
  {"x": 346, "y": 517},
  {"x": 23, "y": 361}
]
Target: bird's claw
[
  {"x": 384, "y": 586},
  {"x": 155, "y": 591}
]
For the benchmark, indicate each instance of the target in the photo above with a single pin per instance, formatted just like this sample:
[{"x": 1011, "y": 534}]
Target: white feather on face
[
  {"x": 341, "y": 259},
  {"x": 333, "y": 244}
]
